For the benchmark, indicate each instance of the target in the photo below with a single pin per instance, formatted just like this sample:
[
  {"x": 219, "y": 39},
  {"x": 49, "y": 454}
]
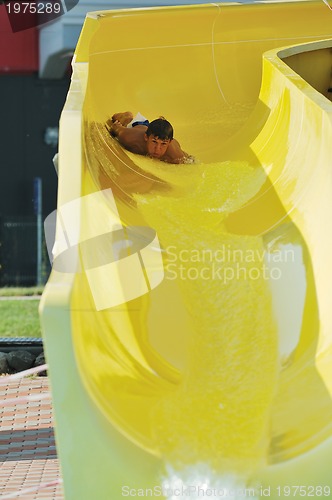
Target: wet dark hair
[{"x": 160, "y": 128}]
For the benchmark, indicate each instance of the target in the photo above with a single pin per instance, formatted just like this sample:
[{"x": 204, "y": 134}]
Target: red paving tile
[{"x": 29, "y": 468}]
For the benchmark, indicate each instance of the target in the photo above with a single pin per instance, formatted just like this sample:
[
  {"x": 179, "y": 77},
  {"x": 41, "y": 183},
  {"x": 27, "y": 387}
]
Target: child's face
[{"x": 156, "y": 148}]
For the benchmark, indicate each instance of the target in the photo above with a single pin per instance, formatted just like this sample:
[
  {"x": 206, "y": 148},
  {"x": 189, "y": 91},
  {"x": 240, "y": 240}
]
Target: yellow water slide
[{"x": 187, "y": 320}]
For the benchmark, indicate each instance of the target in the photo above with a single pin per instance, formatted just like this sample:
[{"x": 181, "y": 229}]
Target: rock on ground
[
  {"x": 4, "y": 368},
  {"x": 20, "y": 360}
]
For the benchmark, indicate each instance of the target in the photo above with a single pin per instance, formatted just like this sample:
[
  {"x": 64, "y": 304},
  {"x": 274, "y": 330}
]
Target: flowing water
[{"x": 219, "y": 414}]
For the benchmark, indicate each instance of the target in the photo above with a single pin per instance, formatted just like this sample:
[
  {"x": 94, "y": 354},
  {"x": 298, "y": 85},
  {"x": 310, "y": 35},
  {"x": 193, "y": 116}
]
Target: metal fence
[{"x": 18, "y": 252}]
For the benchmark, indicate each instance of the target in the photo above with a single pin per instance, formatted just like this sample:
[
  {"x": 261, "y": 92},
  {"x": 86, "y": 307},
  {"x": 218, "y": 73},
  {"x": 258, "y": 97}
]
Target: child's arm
[{"x": 115, "y": 128}]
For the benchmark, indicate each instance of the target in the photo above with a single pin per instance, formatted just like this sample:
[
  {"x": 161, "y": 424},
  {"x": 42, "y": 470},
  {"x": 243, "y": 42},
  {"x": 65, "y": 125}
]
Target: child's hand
[{"x": 114, "y": 127}]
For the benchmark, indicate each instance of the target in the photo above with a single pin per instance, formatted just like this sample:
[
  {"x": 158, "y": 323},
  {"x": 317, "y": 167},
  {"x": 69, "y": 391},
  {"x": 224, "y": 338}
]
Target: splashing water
[
  {"x": 219, "y": 413},
  {"x": 199, "y": 481}
]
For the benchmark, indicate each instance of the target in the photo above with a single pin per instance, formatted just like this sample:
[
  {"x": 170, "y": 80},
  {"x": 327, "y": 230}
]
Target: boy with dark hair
[
  {"x": 160, "y": 128},
  {"x": 153, "y": 139}
]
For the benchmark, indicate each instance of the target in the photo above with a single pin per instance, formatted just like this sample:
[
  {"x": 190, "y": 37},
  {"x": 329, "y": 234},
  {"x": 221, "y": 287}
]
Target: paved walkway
[{"x": 29, "y": 468}]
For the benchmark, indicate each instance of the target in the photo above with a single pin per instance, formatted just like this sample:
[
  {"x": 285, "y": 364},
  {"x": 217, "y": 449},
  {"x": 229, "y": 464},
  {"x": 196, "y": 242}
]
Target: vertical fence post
[
  {"x": 1, "y": 249},
  {"x": 37, "y": 188}
]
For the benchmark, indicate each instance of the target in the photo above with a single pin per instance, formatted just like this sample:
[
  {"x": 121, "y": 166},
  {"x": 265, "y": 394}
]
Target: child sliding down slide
[{"x": 153, "y": 139}]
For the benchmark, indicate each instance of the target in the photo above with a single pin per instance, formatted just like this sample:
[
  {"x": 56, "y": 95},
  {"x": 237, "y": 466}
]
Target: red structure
[{"x": 18, "y": 51}]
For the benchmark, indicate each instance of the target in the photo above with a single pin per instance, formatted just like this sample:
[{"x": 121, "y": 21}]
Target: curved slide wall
[{"x": 206, "y": 337}]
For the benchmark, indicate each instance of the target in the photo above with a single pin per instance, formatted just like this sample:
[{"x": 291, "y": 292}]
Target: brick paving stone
[{"x": 27, "y": 446}]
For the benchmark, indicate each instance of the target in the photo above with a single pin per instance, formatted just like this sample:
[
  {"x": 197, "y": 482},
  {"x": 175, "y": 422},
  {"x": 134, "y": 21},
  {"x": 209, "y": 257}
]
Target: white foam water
[{"x": 200, "y": 481}]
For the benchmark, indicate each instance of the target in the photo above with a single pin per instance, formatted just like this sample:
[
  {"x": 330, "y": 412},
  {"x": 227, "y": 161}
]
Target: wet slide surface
[{"x": 207, "y": 339}]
